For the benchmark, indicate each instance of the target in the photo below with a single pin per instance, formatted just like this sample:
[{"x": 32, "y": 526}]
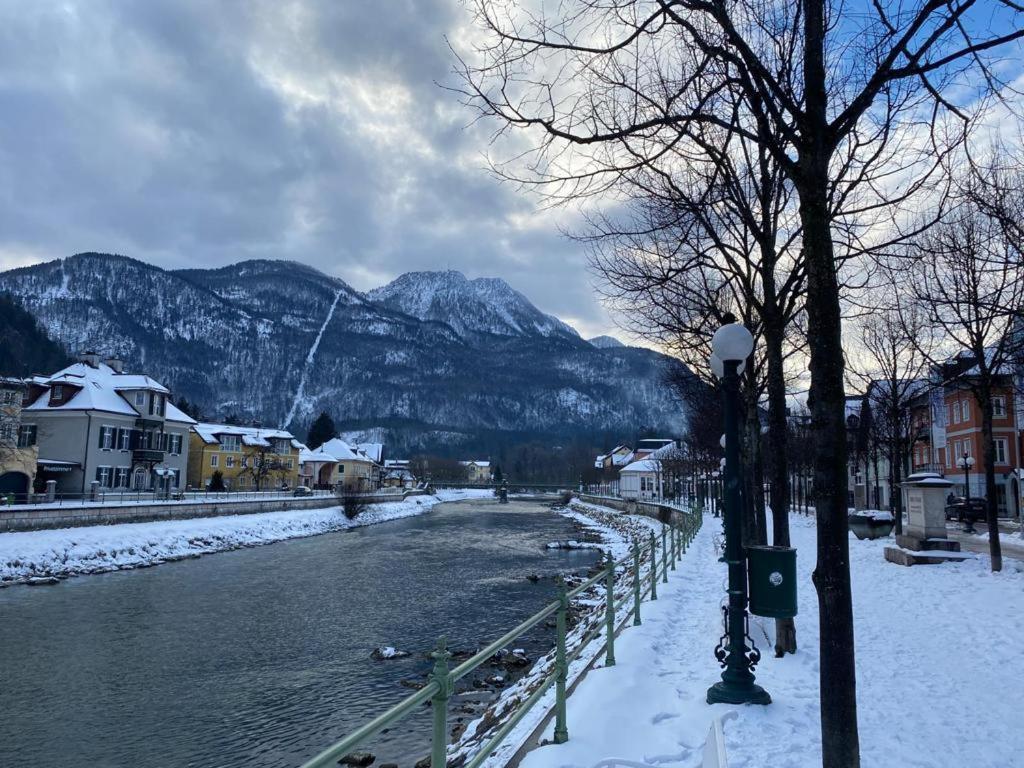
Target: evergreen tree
[
  {"x": 188, "y": 408},
  {"x": 320, "y": 431},
  {"x": 217, "y": 482},
  {"x": 498, "y": 476},
  {"x": 24, "y": 346}
]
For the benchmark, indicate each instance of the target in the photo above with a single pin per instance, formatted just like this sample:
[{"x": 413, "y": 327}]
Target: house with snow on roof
[
  {"x": 650, "y": 477},
  {"x": 94, "y": 423},
  {"x": 342, "y": 466},
  {"x": 248, "y": 458},
  {"x": 478, "y": 471}
]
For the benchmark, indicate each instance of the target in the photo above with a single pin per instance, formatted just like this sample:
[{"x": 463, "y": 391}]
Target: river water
[{"x": 261, "y": 657}]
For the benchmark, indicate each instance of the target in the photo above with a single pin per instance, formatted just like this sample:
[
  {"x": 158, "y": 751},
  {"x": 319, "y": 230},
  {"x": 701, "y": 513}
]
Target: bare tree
[
  {"x": 892, "y": 365},
  {"x": 836, "y": 98},
  {"x": 967, "y": 278}
]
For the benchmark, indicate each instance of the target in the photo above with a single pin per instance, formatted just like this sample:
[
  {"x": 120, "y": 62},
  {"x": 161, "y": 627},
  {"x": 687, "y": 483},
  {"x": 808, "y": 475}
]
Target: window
[
  {"x": 103, "y": 474},
  {"x": 26, "y": 435},
  {"x": 954, "y": 413},
  {"x": 229, "y": 462},
  {"x": 175, "y": 478},
  {"x": 965, "y": 407},
  {"x": 8, "y": 434},
  {"x": 999, "y": 407},
  {"x": 158, "y": 404},
  {"x": 121, "y": 477},
  {"x": 245, "y": 462},
  {"x": 9, "y": 397},
  {"x": 140, "y": 399},
  {"x": 214, "y": 460},
  {"x": 1002, "y": 450},
  {"x": 124, "y": 438},
  {"x": 341, "y": 470},
  {"x": 229, "y": 443},
  {"x": 174, "y": 443},
  {"x": 57, "y": 392},
  {"x": 106, "y": 438}
]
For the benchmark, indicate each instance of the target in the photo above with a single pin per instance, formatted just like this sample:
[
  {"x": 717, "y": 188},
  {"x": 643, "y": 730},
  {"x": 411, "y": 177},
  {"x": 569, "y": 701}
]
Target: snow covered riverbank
[
  {"x": 936, "y": 661},
  {"x": 54, "y": 554}
]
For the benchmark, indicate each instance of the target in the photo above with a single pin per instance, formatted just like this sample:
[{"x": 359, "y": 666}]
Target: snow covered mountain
[
  {"x": 485, "y": 306},
  {"x": 606, "y": 342},
  {"x": 429, "y": 360}
]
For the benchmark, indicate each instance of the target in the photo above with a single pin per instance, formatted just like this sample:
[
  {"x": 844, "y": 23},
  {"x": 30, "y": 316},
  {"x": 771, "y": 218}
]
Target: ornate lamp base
[{"x": 730, "y": 693}]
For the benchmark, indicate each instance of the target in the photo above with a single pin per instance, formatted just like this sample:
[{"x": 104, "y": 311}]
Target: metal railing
[{"x": 675, "y": 538}]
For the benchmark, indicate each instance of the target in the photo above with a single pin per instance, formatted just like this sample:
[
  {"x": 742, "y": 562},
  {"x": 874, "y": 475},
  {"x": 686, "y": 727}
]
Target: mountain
[
  {"x": 24, "y": 346},
  {"x": 430, "y": 361},
  {"x": 482, "y": 307},
  {"x": 606, "y": 342}
]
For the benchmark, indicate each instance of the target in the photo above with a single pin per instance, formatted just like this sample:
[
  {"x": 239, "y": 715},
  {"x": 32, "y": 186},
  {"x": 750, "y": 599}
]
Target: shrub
[
  {"x": 217, "y": 482},
  {"x": 353, "y": 506}
]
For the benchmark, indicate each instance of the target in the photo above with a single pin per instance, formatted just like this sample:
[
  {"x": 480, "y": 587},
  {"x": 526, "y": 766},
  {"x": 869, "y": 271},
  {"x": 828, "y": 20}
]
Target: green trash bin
[{"x": 772, "y": 579}]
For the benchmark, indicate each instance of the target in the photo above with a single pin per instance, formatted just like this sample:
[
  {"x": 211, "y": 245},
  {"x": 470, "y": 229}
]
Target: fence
[
  {"x": 118, "y": 497},
  {"x": 675, "y": 537}
]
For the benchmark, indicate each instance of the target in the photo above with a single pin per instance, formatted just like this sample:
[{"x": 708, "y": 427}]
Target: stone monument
[{"x": 924, "y": 540}]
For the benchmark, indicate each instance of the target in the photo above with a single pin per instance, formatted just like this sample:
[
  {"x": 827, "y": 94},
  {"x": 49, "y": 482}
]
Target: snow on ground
[
  {"x": 937, "y": 670},
  {"x": 94, "y": 549},
  {"x": 617, "y": 531}
]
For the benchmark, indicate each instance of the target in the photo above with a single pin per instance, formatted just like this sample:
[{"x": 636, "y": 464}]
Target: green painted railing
[{"x": 675, "y": 538}]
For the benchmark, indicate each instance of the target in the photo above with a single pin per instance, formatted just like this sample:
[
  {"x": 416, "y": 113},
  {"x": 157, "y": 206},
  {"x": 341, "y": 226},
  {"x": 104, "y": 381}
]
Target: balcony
[
  {"x": 147, "y": 454},
  {"x": 149, "y": 422}
]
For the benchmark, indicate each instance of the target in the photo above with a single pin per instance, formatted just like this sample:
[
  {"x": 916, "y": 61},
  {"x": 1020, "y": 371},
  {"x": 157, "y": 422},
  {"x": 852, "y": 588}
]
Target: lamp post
[
  {"x": 966, "y": 462},
  {"x": 732, "y": 344}
]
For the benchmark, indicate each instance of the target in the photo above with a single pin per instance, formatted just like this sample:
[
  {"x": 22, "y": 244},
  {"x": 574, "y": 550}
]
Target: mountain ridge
[{"x": 237, "y": 340}]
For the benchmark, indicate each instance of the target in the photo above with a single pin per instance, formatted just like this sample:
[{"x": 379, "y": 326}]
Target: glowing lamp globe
[
  {"x": 721, "y": 442},
  {"x": 717, "y": 366},
  {"x": 732, "y": 342}
]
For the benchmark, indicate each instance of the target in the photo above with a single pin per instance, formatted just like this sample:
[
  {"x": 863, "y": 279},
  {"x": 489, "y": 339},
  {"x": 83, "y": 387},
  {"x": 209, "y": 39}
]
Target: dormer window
[
  {"x": 140, "y": 399},
  {"x": 57, "y": 393}
]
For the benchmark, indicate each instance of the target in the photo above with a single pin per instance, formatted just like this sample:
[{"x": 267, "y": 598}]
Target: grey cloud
[{"x": 187, "y": 133}]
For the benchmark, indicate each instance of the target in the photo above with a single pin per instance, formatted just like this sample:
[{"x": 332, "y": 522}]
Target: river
[{"x": 261, "y": 656}]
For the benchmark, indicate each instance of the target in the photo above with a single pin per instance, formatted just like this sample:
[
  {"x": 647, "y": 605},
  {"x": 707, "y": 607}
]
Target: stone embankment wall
[
  {"x": 647, "y": 508},
  {"x": 30, "y": 518}
]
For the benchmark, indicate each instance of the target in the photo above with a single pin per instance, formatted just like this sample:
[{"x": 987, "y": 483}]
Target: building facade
[
  {"x": 246, "y": 458},
  {"x": 18, "y": 451},
  {"x": 95, "y": 424}
]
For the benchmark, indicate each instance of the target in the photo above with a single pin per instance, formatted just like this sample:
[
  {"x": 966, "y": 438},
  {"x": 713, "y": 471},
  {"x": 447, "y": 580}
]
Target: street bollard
[
  {"x": 609, "y": 613},
  {"x": 636, "y": 584},
  {"x": 439, "y": 704},
  {"x": 561, "y": 667},
  {"x": 654, "y": 567},
  {"x": 664, "y": 557}
]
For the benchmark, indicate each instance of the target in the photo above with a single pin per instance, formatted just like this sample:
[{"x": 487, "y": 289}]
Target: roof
[
  {"x": 251, "y": 436},
  {"x": 481, "y": 464},
  {"x": 100, "y": 389},
  {"x": 651, "y": 462},
  {"x": 342, "y": 451},
  {"x": 373, "y": 450}
]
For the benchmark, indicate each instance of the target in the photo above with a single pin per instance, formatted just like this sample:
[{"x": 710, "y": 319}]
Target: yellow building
[
  {"x": 18, "y": 451},
  {"x": 353, "y": 469},
  {"x": 248, "y": 458}
]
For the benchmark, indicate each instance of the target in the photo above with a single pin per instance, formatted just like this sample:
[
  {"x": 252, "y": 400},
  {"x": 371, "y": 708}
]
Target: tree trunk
[
  {"x": 840, "y": 744},
  {"x": 988, "y": 448},
  {"x": 778, "y": 472}
]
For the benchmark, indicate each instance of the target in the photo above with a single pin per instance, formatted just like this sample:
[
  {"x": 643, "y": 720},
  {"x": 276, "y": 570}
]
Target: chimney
[
  {"x": 90, "y": 358},
  {"x": 116, "y": 363}
]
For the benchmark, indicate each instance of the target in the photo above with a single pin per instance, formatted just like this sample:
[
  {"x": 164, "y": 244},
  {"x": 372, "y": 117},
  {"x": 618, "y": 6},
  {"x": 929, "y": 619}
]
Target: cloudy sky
[{"x": 196, "y": 133}]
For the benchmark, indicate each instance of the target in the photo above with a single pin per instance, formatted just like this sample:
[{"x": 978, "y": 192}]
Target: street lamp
[
  {"x": 966, "y": 462},
  {"x": 732, "y": 344}
]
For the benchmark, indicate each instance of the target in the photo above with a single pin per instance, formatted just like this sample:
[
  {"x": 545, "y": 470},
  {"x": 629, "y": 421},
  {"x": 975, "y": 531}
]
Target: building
[
  {"x": 652, "y": 477},
  {"x": 248, "y": 458},
  {"x": 94, "y": 423},
  {"x": 18, "y": 452},
  {"x": 946, "y": 428},
  {"x": 343, "y": 466},
  {"x": 649, "y": 445},
  {"x": 316, "y": 468},
  {"x": 398, "y": 474},
  {"x": 478, "y": 471}
]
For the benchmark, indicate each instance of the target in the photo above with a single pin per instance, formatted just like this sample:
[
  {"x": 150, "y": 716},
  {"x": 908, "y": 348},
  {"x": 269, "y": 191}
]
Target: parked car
[
  {"x": 961, "y": 508},
  {"x": 302, "y": 490}
]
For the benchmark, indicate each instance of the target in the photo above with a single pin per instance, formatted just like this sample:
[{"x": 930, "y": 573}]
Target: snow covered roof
[
  {"x": 481, "y": 464},
  {"x": 99, "y": 389},
  {"x": 342, "y": 451},
  {"x": 251, "y": 436},
  {"x": 373, "y": 450},
  {"x": 643, "y": 465}
]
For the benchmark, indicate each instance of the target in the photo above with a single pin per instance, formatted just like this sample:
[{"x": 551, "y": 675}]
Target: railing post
[
  {"x": 664, "y": 557},
  {"x": 636, "y": 584},
  {"x": 439, "y": 704},
  {"x": 654, "y": 567},
  {"x": 673, "y": 534},
  {"x": 561, "y": 668},
  {"x": 609, "y": 612}
]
